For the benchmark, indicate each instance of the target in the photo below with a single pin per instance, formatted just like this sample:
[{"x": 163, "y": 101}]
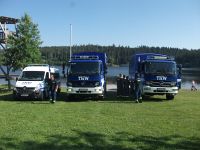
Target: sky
[{"x": 163, "y": 23}]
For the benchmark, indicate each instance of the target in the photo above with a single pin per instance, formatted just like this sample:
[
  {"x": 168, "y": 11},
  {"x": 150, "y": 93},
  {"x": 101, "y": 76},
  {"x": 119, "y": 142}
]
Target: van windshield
[
  {"x": 32, "y": 76},
  {"x": 160, "y": 68},
  {"x": 84, "y": 68}
]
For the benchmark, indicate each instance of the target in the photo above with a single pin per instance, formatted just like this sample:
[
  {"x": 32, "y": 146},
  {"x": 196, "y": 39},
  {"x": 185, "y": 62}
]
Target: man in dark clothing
[
  {"x": 53, "y": 87},
  {"x": 138, "y": 88},
  {"x": 127, "y": 87},
  {"x": 119, "y": 85}
]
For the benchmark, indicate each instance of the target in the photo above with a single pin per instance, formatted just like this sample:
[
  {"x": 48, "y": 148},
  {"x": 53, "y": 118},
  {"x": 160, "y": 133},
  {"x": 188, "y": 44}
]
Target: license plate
[
  {"x": 24, "y": 95},
  {"x": 83, "y": 90},
  {"x": 161, "y": 89}
]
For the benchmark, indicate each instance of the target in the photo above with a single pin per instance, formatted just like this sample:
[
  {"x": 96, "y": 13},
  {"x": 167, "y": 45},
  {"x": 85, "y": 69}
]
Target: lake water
[{"x": 188, "y": 74}]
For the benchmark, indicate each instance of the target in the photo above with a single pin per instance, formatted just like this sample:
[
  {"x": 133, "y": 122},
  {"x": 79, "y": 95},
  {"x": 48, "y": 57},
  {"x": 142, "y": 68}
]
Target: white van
[{"x": 32, "y": 82}]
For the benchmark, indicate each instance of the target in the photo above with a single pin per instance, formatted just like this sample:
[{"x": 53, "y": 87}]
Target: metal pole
[{"x": 70, "y": 48}]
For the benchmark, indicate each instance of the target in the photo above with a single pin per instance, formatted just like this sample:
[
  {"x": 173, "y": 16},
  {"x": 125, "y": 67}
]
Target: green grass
[{"x": 110, "y": 124}]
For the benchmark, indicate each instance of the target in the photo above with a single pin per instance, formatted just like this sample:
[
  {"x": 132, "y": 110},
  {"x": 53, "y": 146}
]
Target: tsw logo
[
  {"x": 83, "y": 78},
  {"x": 161, "y": 78},
  {"x": 26, "y": 83}
]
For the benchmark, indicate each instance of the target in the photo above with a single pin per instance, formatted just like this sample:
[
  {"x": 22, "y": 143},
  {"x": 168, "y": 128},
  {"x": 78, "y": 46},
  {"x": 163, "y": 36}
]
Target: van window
[{"x": 32, "y": 76}]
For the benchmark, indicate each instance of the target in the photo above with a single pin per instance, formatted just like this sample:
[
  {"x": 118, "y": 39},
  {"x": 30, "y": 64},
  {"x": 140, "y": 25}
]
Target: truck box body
[
  {"x": 86, "y": 74},
  {"x": 158, "y": 74}
]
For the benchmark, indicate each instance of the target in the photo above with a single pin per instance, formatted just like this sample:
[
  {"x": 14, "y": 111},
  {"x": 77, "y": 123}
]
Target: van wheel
[
  {"x": 16, "y": 97},
  {"x": 42, "y": 96},
  {"x": 169, "y": 96}
]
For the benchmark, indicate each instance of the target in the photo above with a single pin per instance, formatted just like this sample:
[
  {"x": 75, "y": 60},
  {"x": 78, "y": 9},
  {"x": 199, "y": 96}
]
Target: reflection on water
[{"x": 188, "y": 74}]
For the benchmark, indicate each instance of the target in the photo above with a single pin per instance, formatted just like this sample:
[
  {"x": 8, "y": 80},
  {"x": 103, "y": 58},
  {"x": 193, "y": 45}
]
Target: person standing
[
  {"x": 193, "y": 88},
  {"x": 53, "y": 87},
  {"x": 127, "y": 87},
  {"x": 138, "y": 88},
  {"x": 119, "y": 85}
]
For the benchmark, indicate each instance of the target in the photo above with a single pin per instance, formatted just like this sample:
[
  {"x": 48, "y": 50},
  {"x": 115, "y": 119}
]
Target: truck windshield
[
  {"x": 160, "y": 68},
  {"x": 32, "y": 76},
  {"x": 84, "y": 68}
]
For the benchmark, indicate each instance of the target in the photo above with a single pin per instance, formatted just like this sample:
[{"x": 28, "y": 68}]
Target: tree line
[{"x": 118, "y": 55}]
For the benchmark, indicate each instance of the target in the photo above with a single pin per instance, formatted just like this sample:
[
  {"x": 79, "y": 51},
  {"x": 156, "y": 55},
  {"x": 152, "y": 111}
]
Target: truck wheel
[
  {"x": 169, "y": 96},
  {"x": 69, "y": 98},
  {"x": 105, "y": 89},
  {"x": 145, "y": 97},
  {"x": 101, "y": 97}
]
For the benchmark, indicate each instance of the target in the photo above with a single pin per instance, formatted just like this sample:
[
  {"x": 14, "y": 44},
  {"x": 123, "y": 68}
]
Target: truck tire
[
  {"x": 145, "y": 97},
  {"x": 169, "y": 96},
  {"x": 69, "y": 98},
  {"x": 101, "y": 97},
  {"x": 105, "y": 89}
]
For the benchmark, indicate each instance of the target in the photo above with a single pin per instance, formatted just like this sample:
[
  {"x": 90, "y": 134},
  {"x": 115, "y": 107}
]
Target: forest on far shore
[{"x": 118, "y": 55}]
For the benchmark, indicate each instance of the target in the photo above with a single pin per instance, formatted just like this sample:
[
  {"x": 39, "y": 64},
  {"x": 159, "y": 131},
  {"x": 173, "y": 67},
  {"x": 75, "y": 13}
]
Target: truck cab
[
  {"x": 86, "y": 75},
  {"x": 32, "y": 82},
  {"x": 159, "y": 74}
]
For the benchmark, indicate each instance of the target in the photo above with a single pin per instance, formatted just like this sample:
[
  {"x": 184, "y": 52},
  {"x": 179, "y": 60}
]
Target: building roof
[{"x": 8, "y": 20}]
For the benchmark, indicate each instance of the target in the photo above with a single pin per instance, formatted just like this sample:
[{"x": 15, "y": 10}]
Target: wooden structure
[{"x": 4, "y": 32}]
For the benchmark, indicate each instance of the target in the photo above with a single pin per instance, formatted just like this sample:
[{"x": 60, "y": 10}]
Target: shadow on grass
[
  {"x": 6, "y": 97},
  {"x": 111, "y": 96},
  {"x": 90, "y": 140}
]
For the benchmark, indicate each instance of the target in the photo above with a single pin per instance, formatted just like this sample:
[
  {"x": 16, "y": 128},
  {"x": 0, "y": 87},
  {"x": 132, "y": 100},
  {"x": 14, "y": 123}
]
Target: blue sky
[{"x": 169, "y": 23}]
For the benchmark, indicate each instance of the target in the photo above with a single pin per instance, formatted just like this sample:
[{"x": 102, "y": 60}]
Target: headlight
[
  {"x": 147, "y": 82},
  {"x": 38, "y": 87},
  {"x": 97, "y": 84},
  {"x": 69, "y": 84},
  {"x": 173, "y": 83}
]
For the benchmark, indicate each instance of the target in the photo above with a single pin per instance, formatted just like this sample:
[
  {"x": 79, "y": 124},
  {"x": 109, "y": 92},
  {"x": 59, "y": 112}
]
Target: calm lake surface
[{"x": 188, "y": 74}]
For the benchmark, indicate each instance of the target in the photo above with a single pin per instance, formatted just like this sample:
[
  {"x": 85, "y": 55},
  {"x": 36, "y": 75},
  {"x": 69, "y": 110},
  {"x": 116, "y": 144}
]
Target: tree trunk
[
  {"x": 7, "y": 75},
  {"x": 9, "y": 83}
]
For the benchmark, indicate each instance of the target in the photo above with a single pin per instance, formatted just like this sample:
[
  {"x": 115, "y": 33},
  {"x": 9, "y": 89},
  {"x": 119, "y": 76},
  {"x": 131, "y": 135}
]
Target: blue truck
[
  {"x": 86, "y": 75},
  {"x": 159, "y": 74}
]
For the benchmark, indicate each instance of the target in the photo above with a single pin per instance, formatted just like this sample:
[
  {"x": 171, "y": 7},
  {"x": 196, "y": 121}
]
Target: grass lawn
[{"x": 110, "y": 124}]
